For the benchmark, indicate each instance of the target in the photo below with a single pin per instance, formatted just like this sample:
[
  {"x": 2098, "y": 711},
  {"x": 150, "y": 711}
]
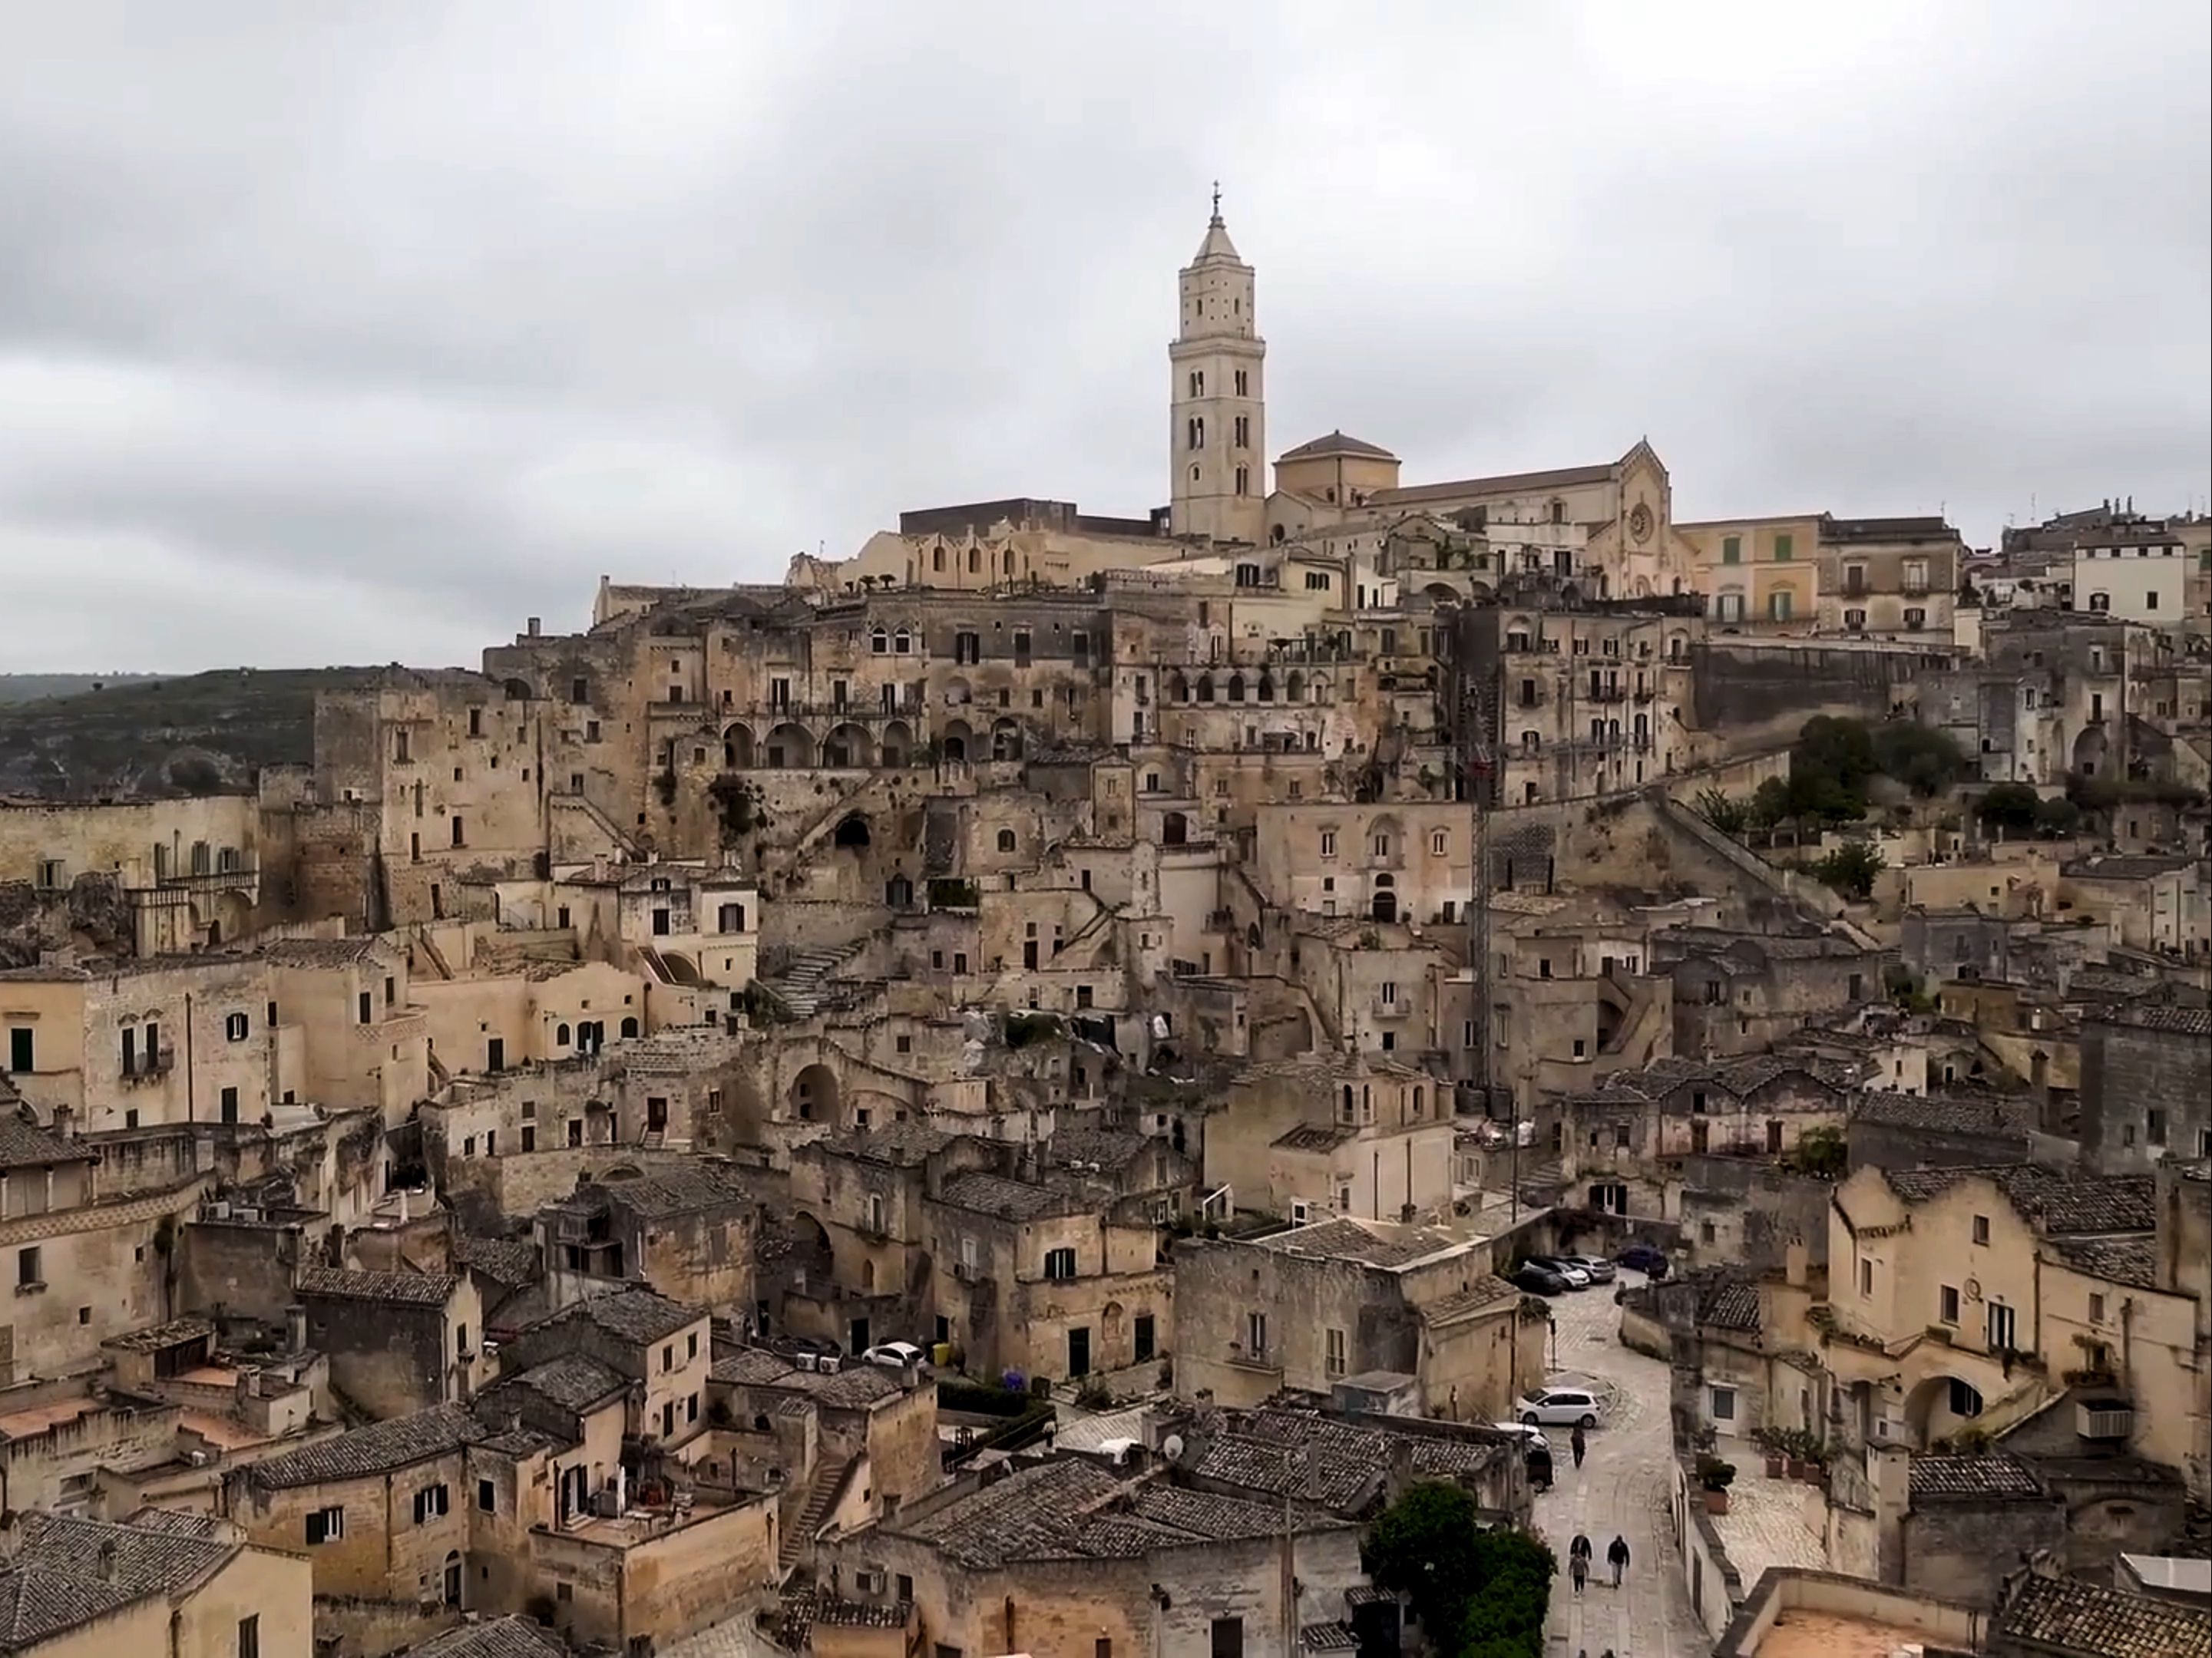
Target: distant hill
[
  {"x": 204, "y": 733},
  {"x": 30, "y": 687}
]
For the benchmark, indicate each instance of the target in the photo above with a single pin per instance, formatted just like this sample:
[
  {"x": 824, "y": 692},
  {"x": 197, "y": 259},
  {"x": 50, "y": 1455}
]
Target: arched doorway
[
  {"x": 1385, "y": 905},
  {"x": 737, "y": 748},
  {"x": 1175, "y": 830},
  {"x": 847, "y": 746},
  {"x": 958, "y": 739},
  {"x": 1005, "y": 740},
  {"x": 897, "y": 744},
  {"x": 814, "y": 1095},
  {"x": 790, "y": 744},
  {"x": 852, "y": 833}
]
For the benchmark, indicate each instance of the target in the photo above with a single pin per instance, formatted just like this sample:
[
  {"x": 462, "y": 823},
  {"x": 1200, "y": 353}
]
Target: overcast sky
[{"x": 353, "y": 332}]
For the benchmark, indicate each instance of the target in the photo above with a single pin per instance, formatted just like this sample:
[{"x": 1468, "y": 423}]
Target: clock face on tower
[{"x": 1639, "y": 522}]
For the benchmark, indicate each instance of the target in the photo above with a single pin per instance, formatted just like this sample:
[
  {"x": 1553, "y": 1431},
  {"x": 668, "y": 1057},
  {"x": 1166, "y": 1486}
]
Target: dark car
[
  {"x": 1539, "y": 1280},
  {"x": 1642, "y": 1258}
]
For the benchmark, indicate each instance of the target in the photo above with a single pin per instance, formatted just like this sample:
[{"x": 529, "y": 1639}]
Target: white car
[
  {"x": 894, "y": 1355},
  {"x": 1558, "y": 1407},
  {"x": 1532, "y": 1438}
]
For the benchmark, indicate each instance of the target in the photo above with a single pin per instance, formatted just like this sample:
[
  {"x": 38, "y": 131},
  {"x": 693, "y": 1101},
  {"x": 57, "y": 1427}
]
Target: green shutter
[
  {"x": 1731, "y": 549},
  {"x": 1782, "y": 549}
]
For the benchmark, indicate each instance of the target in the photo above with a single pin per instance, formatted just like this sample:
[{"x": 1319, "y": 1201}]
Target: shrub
[
  {"x": 1714, "y": 1473},
  {"x": 2008, "y": 806},
  {"x": 1479, "y": 1593},
  {"x": 1851, "y": 869},
  {"x": 1725, "y": 812},
  {"x": 1925, "y": 760}
]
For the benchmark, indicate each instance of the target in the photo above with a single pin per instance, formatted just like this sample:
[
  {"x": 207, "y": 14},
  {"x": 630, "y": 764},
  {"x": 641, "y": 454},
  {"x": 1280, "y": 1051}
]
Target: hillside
[
  {"x": 204, "y": 733},
  {"x": 30, "y": 687}
]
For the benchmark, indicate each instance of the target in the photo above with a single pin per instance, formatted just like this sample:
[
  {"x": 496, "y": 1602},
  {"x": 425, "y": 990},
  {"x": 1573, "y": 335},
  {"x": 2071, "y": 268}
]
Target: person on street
[
  {"x": 1581, "y": 1547},
  {"x": 1616, "y": 1555},
  {"x": 1578, "y": 1443},
  {"x": 1578, "y": 1568}
]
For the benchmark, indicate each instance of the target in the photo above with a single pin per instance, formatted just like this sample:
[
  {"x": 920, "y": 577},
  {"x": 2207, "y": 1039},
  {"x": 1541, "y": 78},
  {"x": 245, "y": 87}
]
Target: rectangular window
[
  {"x": 1059, "y": 1263},
  {"x": 1785, "y": 548},
  {"x": 2096, "y": 1310},
  {"x": 249, "y": 1636},
  {"x": 429, "y": 1503},
  {"x": 1228, "y": 1638},
  {"x": 1723, "y": 1404},
  {"x": 27, "y": 1268},
  {"x": 1731, "y": 549},
  {"x": 1333, "y": 1360},
  {"x": 1981, "y": 1228},
  {"x": 19, "y": 1056},
  {"x": 325, "y": 1526},
  {"x": 1866, "y": 1277},
  {"x": 366, "y": 1008},
  {"x": 486, "y": 1496},
  {"x": 1144, "y": 1338},
  {"x": 1947, "y": 1298},
  {"x": 2003, "y": 1330},
  {"x": 1256, "y": 1334}
]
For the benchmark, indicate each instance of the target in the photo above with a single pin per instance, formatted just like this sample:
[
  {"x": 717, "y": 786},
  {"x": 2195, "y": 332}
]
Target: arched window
[
  {"x": 1235, "y": 688},
  {"x": 1205, "y": 688},
  {"x": 903, "y": 643},
  {"x": 879, "y": 643},
  {"x": 560, "y": 1036},
  {"x": 1006, "y": 841},
  {"x": 629, "y": 1027}
]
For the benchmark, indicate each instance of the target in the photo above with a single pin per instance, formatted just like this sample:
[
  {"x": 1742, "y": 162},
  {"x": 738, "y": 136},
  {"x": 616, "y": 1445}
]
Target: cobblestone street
[{"x": 1621, "y": 1487}]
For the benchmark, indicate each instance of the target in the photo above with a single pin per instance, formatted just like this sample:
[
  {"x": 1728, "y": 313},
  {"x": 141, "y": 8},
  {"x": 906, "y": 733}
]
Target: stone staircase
[
  {"x": 821, "y": 1498},
  {"x": 801, "y": 987}
]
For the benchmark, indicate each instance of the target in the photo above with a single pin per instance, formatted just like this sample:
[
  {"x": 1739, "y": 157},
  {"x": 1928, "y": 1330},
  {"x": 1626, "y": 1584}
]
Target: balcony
[
  {"x": 1607, "y": 694},
  {"x": 149, "y": 1067},
  {"x": 1390, "y": 1007}
]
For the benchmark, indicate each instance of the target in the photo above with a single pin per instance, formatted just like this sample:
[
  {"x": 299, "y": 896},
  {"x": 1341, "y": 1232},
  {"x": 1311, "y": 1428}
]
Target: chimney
[
  {"x": 1794, "y": 1262},
  {"x": 111, "y": 1567},
  {"x": 295, "y": 1328},
  {"x": 64, "y": 1122},
  {"x": 533, "y": 625}
]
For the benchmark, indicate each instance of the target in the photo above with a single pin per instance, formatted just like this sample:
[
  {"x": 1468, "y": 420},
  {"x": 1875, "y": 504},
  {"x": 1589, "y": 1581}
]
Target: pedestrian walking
[
  {"x": 1578, "y": 1568},
  {"x": 1580, "y": 1547},
  {"x": 1616, "y": 1555},
  {"x": 1578, "y": 1443}
]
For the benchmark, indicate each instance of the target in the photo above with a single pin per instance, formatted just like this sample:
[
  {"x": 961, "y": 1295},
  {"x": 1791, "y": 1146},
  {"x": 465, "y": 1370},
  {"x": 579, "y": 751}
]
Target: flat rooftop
[{"x": 1828, "y": 1635}]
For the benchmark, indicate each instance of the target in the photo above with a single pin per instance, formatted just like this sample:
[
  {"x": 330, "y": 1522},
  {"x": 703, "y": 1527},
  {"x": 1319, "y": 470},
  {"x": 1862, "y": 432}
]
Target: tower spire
[{"x": 1217, "y": 201}]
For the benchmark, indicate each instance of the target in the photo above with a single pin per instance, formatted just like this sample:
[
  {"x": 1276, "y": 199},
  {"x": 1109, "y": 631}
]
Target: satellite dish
[{"x": 1172, "y": 1447}]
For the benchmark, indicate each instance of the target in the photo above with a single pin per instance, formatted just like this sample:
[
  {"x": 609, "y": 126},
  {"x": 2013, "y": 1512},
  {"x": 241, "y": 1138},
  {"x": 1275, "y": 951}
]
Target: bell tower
[{"x": 1218, "y": 424}]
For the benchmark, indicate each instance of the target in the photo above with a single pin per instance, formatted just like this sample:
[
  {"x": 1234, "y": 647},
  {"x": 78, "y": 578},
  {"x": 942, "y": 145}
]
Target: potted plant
[
  {"x": 1715, "y": 1476},
  {"x": 1816, "y": 1462},
  {"x": 1770, "y": 1440}
]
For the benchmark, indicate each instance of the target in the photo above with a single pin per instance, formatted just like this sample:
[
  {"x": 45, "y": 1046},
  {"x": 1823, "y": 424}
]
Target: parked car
[
  {"x": 1642, "y": 1258},
  {"x": 1599, "y": 1268},
  {"x": 1532, "y": 1438},
  {"x": 1539, "y": 1280},
  {"x": 894, "y": 1355},
  {"x": 1566, "y": 1267},
  {"x": 1558, "y": 1407}
]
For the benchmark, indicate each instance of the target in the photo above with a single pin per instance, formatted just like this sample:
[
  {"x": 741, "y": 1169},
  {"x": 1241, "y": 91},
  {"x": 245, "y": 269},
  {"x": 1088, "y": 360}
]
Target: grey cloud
[{"x": 363, "y": 332}]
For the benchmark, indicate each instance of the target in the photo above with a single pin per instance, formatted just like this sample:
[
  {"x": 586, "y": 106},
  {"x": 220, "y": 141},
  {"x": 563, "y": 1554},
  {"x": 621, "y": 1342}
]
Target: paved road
[{"x": 1621, "y": 1487}]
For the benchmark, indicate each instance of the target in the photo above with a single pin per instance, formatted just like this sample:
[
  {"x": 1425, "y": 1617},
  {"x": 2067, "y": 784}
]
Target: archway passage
[
  {"x": 814, "y": 1095},
  {"x": 1385, "y": 907},
  {"x": 790, "y": 744},
  {"x": 853, "y": 832}
]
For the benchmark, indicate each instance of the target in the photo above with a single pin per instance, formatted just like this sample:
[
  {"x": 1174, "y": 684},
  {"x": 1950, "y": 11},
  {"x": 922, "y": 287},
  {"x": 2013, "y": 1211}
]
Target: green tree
[
  {"x": 1770, "y": 804},
  {"x": 1477, "y": 1592},
  {"x": 2008, "y": 806},
  {"x": 1819, "y": 1152},
  {"x": 1850, "y": 869},
  {"x": 1925, "y": 760},
  {"x": 2058, "y": 817},
  {"x": 1725, "y": 812}
]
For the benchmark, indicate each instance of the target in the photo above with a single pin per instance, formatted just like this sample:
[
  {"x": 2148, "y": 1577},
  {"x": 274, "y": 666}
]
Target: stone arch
[
  {"x": 847, "y": 746},
  {"x": 1205, "y": 688},
  {"x": 1175, "y": 830},
  {"x": 897, "y": 747},
  {"x": 1178, "y": 687},
  {"x": 814, "y": 1094},
  {"x": 1005, "y": 738},
  {"x": 1385, "y": 907},
  {"x": 1252, "y": 940},
  {"x": 1236, "y": 687},
  {"x": 517, "y": 690},
  {"x": 958, "y": 694},
  {"x": 898, "y": 893},
  {"x": 738, "y": 747},
  {"x": 1931, "y": 1410},
  {"x": 957, "y": 740},
  {"x": 2089, "y": 751},
  {"x": 852, "y": 831},
  {"x": 629, "y": 1027},
  {"x": 1295, "y": 690},
  {"x": 790, "y": 744}
]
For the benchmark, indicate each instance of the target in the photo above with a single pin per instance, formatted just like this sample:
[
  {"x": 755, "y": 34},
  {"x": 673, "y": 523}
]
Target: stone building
[
  {"x": 397, "y": 1342},
  {"x": 1894, "y": 578},
  {"x": 1307, "y": 1308}
]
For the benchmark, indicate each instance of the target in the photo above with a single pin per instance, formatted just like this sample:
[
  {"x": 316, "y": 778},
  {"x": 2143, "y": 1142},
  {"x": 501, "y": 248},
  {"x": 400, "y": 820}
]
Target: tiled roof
[
  {"x": 1505, "y": 483},
  {"x": 513, "y": 1636},
  {"x": 154, "y": 1338},
  {"x": 1731, "y": 1305},
  {"x": 1950, "y": 1113},
  {"x": 1334, "y": 1477},
  {"x": 1486, "y": 1291},
  {"x": 2068, "y": 1615},
  {"x": 1376, "y": 1243},
  {"x": 899, "y": 1143},
  {"x": 378, "y": 1448},
  {"x": 1994, "y": 1474},
  {"x": 573, "y": 1382},
  {"x": 24, "y": 1144},
  {"x": 2123, "y": 866},
  {"x": 1315, "y": 1136},
  {"x": 675, "y": 1191},
  {"x": 1071, "y": 1510},
  {"x": 855, "y": 1614},
  {"x": 635, "y": 1313},
  {"x": 509, "y": 1261},
  {"x": 751, "y": 1367},
  {"x": 323, "y": 952},
  {"x": 1009, "y": 1199},
  {"x": 57, "y": 1579},
  {"x": 2052, "y": 1202},
  {"x": 2131, "y": 1261},
  {"x": 415, "y": 1288},
  {"x": 852, "y": 1386},
  {"x": 1107, "y": 1147},
  {"x": 2178, "y": 1021},
  {"x": 1335, "y": 443}
]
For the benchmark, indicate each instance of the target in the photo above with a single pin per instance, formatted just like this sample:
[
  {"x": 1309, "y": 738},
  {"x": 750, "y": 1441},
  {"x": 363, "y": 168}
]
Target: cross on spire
[{"x": 1217, "y": 201}]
